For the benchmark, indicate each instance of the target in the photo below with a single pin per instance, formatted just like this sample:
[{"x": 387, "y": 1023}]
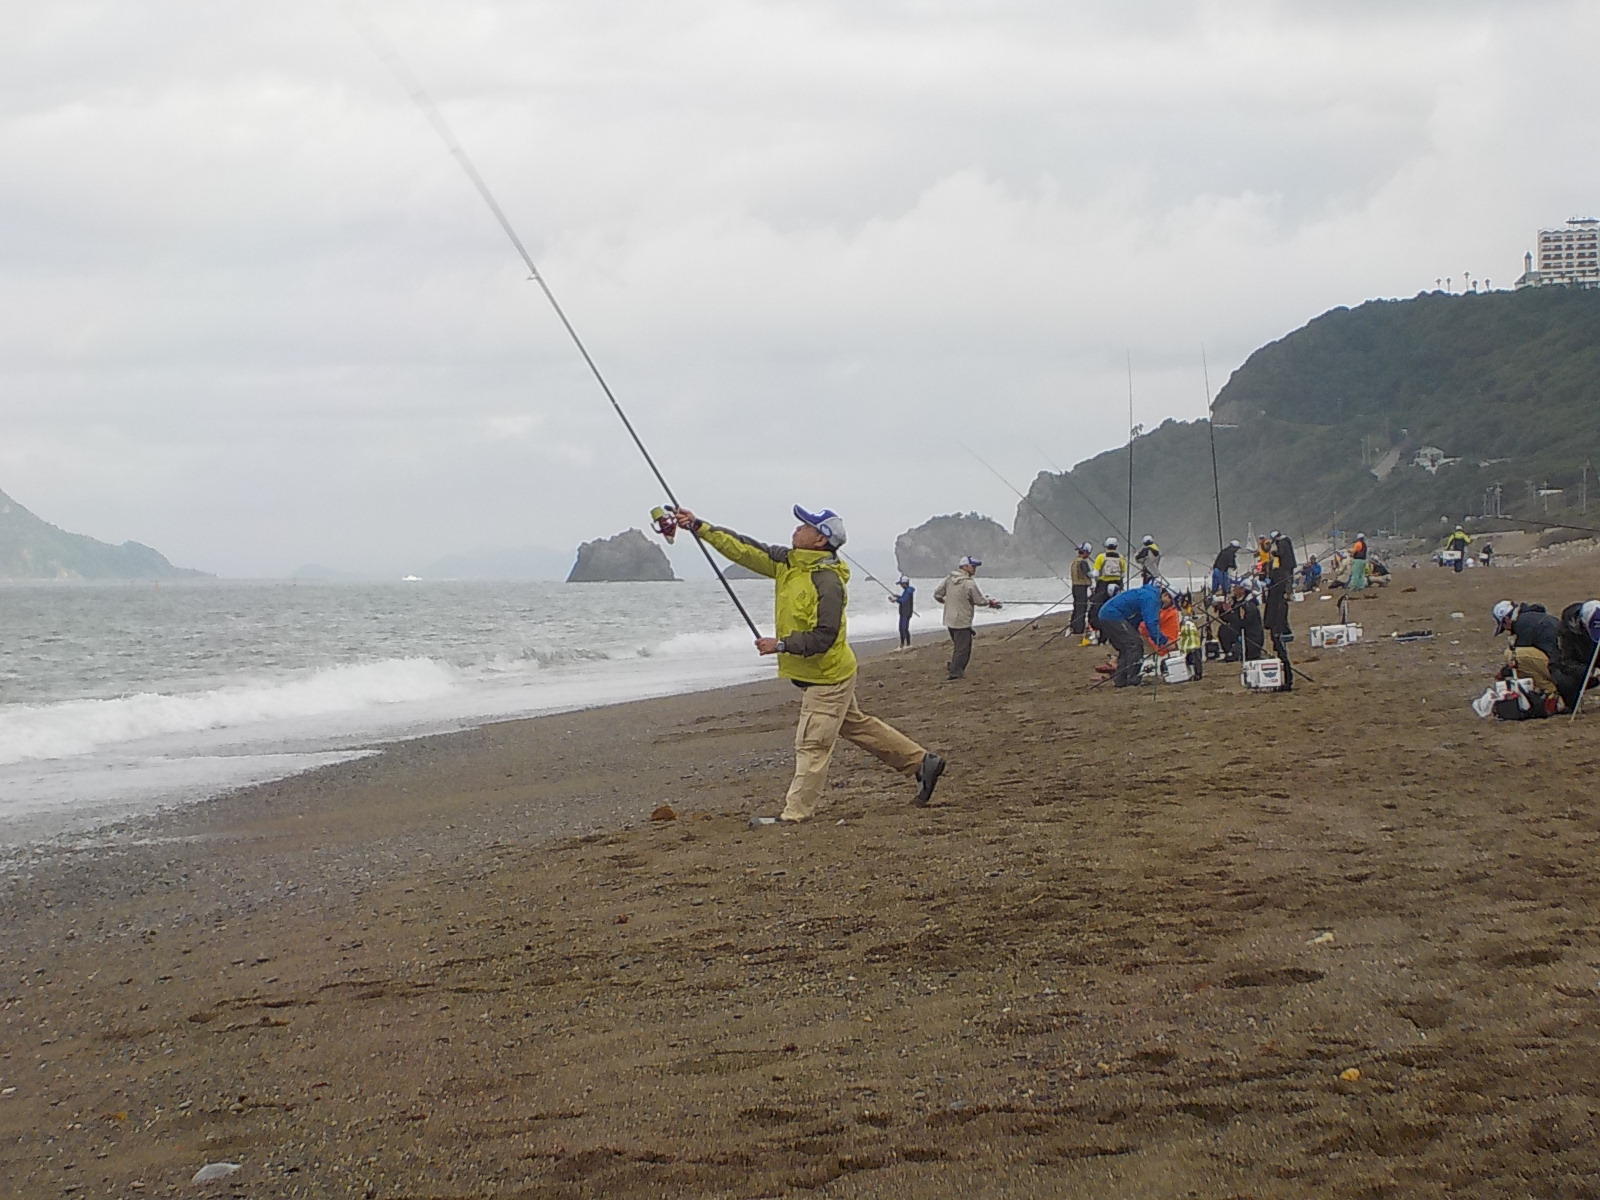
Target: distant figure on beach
[
  {"x": 1486, "y": 555},
  {"x": 907, "y": 602},
  {"x": 1457, "y": 544},
  {"x": 961, "y": 597},
  {"x": 1223, "y": 567},
  {"x": 1280, "y": 581},
  {"x": 1149, "y": 559},
  {"x": 813, "y": 653},
  {"x": 1118, "y": 621},
  {"x": 1082, "y": 576},
  {"x": 1108, "y": 572},
  {"x": 1358, "y": 564},
  {"x": 1311, "y": 575},
  {"x": 1242, "y": 635}
]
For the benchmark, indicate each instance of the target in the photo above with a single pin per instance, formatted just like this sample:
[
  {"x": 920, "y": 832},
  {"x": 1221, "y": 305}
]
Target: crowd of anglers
[{"x": 1125, "y": 603}]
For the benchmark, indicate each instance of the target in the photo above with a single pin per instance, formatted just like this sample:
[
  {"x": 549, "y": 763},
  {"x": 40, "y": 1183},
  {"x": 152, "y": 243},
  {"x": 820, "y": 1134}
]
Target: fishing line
[
  {"x": 386, "y": 52},
  {"x": 865, "y": 572},
  {"x": 1087, "y": 499},
  {"x": 1031, "y": 505}
]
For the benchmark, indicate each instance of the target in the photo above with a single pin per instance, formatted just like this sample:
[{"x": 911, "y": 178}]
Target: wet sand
[{"x": 1133, "y": 949}]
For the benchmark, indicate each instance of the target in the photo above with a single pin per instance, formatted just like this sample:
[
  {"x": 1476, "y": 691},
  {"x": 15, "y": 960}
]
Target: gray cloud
[{"x": 254, "y": 314}]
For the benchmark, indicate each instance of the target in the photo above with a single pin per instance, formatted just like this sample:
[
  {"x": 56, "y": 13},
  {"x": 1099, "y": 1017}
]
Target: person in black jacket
[
  {"x": 1242, "y": 615},
  {"x": 1281, "y": 566},
  {"x": 1575, "y": 647},
  {"x": 1223, "y": 567},
  {"x": 1535, "y": 649}
]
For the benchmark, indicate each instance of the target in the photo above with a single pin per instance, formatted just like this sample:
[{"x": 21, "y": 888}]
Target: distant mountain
[
  {"x": 627, "y": 557},
  {"x": 1398, "y": 414},
  {"x": 34, "y": 549}
]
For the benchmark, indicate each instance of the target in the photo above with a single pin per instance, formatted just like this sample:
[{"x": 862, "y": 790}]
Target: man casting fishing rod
[{"x": 809, "y": 603}]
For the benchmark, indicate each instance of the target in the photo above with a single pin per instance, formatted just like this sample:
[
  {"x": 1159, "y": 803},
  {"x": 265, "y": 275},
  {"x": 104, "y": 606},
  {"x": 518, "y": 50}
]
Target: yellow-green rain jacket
[{"x": 808, "y": 603}]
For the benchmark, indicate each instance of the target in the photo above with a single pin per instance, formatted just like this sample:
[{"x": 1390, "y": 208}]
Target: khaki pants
[
  {"x": 1533, "y": 664},
  {"x": 826, "y": 712}
]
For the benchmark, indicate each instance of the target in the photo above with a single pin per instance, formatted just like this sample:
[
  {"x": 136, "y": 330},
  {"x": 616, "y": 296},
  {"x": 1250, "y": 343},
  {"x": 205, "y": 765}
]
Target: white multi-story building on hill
[{"x": 1569, "y": 256}]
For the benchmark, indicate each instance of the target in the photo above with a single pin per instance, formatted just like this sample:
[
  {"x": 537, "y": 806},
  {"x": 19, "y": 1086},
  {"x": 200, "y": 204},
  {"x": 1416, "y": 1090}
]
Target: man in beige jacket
[{"x": 961, "y": 597}]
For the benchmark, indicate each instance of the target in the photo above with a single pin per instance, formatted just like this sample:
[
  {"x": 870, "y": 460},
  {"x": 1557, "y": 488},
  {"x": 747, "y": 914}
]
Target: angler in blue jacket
[
  {"x": 907, "y": 600},
  {"x": 1119, "y": 619}
]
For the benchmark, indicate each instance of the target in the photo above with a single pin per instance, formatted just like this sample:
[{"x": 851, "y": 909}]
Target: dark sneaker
[{"x": 928, "y": 778}]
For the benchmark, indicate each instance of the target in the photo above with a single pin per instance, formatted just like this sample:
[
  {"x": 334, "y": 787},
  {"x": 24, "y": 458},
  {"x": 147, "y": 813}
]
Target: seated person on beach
[
  {"x": 1311, "y": 575},
  {"x": 813, "y": 653}
]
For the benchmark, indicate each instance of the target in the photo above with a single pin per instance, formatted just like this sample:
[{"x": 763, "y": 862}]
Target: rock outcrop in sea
[
  {"x": 934, "y": 547},
  {"x": 627, "y": 557}
]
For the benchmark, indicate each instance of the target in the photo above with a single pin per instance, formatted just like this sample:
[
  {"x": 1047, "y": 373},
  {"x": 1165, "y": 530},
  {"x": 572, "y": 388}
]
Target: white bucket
[{"x": 1262, "y": 675}]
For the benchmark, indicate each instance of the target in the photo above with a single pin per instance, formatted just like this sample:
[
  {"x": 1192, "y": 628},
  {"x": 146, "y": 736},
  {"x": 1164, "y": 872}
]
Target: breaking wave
[{"x": 71, "y": 727}]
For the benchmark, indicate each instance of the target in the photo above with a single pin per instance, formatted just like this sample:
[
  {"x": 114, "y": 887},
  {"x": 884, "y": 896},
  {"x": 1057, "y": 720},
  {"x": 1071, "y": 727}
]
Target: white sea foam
[{"x": 73, "y": 727}]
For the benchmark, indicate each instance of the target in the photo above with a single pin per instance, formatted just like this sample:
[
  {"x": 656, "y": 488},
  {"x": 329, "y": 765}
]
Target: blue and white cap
[
  {"x": 969, "y": 561},
  {"x": 827, "y": 522}
]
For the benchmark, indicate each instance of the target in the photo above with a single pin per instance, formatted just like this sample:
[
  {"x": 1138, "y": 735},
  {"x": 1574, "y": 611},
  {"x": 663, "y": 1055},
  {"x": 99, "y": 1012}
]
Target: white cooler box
[
  {"x": 1175, "y": 668},
  {"x": 1327, "y": 637},
  {"x": 1262, "y": 675},
  {"x": 1450, "y": 557}
]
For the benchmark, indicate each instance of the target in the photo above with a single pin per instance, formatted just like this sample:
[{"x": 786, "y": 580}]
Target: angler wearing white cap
[
  {"x": 1535, "y": 650},
  {"x": 1109, "y": 570},
  {"x": 809, "y": 603},
  {"x": 961, "y": 597},
  {"x": 1148, "y": 556}
]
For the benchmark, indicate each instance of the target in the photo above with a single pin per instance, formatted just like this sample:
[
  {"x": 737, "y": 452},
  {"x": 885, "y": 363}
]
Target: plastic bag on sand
[
  {"x": 1484, "y": 704},
  {"x": 216, "y": 1170}
]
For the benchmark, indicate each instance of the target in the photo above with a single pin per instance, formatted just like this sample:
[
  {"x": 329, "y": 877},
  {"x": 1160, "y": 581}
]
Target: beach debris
[
  {"x": 1322, "y": 939},
  {"x": 1350, "y": 1074},
  {"x": 214, "y": 1170},
  {"x": 1413, "y": 635},
  {"x": 622, "y": 918},
  {"x": 664, "y": 812},
  {"x": 1458, "y": 616}
]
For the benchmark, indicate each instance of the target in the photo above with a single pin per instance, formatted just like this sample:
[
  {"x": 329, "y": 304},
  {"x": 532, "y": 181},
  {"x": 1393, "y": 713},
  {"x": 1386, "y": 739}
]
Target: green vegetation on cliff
[
  {"x": 34, "y": 549},
  {"x": 1321, "y": 429}
]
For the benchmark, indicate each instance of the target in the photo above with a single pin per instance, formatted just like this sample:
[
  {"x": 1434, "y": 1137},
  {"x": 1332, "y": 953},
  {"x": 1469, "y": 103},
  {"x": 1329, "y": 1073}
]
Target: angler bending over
[
  {"x": 809, "y": 608},
  {"x": 1118, "y": 620}
]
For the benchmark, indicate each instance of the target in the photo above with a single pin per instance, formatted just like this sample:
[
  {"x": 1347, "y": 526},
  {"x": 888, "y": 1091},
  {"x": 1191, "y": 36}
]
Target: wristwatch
[{"x": 781, "y": 646}]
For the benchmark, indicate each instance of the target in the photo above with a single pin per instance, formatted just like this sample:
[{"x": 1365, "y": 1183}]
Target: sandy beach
[{"x": 1182, "y": 941}]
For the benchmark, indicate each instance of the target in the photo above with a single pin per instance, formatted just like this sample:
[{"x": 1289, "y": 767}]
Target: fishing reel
[{"x": 665, "y": 521}]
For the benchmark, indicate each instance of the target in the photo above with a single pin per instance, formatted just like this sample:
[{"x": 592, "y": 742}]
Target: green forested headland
[{"x": 1319, "y": 430}]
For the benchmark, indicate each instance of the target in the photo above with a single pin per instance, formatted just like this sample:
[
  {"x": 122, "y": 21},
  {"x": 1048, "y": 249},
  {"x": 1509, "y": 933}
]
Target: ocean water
[{"x": 118, "y": 699}]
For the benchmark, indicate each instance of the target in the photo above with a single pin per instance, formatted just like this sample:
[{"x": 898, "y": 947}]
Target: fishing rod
[
  {"x": 1133, "y": 432},
  {"x": 390, "y": 57},
  {"x": 1211, "y": 430}
]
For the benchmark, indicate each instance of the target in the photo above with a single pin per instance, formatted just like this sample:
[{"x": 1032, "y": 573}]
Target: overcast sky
[{"x": 252, "y": 312}]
